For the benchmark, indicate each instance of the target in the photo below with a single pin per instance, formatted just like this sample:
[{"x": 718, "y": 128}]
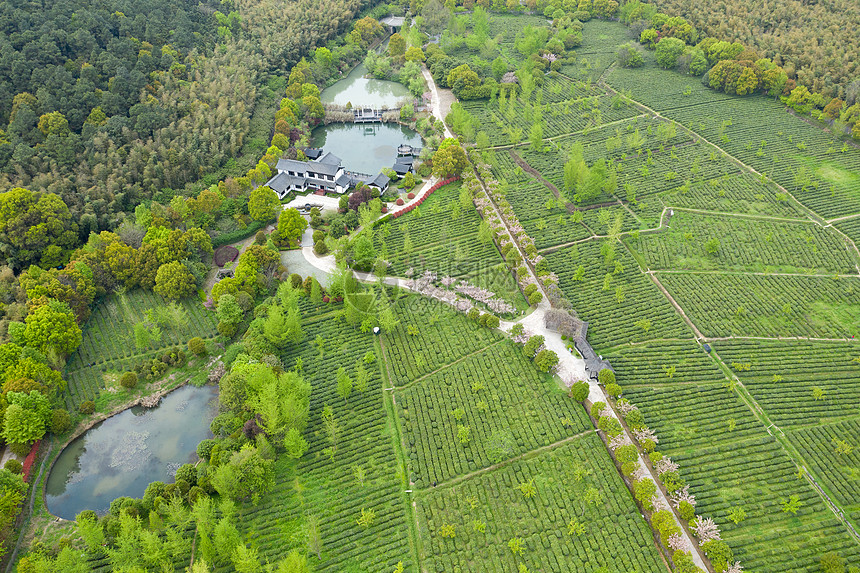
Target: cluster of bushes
[
  {"x": 545, "y": 360},
  {"x": 533, "y": 294},
  {"x": 152, "y": 368},
  {"x": 664, "y": 522},
  {"x": 627, "y": 455},
  {"x": 483, "y": 318}
]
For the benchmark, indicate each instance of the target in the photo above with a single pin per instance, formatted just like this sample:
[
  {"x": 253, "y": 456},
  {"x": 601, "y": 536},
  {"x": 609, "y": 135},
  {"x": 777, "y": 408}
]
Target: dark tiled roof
[
  {"x": 282, "y": 181},
  {"x": 292, "y": 165},
  {"x": 330, "y": 159},
  {"x": 381, "y": 181}
]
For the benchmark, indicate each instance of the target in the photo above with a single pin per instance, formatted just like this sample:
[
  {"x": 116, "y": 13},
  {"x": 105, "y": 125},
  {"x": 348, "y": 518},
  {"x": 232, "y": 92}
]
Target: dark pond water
[
  {"x": 364, "y": 147},
  {"x": 361, "y": 91},
  {"x": 123, "y": 454}
]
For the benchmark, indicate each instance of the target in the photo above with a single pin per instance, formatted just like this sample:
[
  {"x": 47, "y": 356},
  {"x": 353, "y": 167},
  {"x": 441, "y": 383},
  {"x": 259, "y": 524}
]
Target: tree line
[
  {"x": 735, "y": 68},
  {"x": 146, "y": 110},
  {"x": 815, "y": 42}
]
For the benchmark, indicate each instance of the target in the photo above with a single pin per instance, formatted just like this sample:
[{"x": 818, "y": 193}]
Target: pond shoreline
[{"x": 150, "y": 400}]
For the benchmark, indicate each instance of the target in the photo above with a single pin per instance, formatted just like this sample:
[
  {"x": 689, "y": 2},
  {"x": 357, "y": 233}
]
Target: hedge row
[
  {"x": 421, "y": 200},
  {"x": 237, "y": 235}
]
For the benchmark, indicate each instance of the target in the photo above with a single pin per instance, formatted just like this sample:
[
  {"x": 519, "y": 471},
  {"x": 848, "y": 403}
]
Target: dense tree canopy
[
  {"x": 52, "y": 327},
  {"x": 816, "y": 42},
  {"x": 174, "y": 281},
  {"x": 35, "y": 228}
]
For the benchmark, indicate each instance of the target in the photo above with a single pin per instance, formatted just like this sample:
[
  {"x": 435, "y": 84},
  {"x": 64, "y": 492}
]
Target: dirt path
[
  {"x": 677, "y": 306},
  {"x": 213, "y": 272},
  {"x": 440, "y": 100},
  {"x": 845, "y": 218},
  {"x": 445, "y": 366},
  {"x": 534, "y": 173}
]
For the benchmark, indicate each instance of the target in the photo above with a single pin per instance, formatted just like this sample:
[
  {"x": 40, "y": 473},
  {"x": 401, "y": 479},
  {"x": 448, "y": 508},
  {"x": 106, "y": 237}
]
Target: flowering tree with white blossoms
[{"x": 706, "y": 530}]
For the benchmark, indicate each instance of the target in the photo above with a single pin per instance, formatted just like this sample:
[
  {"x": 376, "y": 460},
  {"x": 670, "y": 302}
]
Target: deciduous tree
[
  {"x": 52, "y": 327},
  {"x": 263, "y": 204},
  {"x": 174, "y": 281}
]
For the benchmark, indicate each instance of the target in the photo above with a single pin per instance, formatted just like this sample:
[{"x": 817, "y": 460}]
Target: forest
[
  {"x": 815, "y": 41},
  {"x": 136, "y": 102}
]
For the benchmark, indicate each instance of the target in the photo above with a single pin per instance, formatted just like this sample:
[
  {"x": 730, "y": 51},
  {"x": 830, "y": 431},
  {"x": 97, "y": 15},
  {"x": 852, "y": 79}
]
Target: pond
[
  {"x": 364, "y": 147},
  {"x": 122, "y": 455},
  {"x": 364, "y": 92}
]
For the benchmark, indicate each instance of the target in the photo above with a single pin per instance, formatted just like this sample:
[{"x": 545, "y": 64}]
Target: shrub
[
  {"x": 491, "y": 321},
  {"x": 195, "y": 493},
  {"x": 224, "y": 255},
  {"x": 648, "y": 445},
  {"x": 628, "y": 468},
  {"x": 627, "y": 453},
  {"x": 664, "y": 522},
  {"x": 410, "y": 195},
  {"x": 61, "y": 421},
  {"x": 597, "y": 408},
  {"x": 546, "y": 360},
  {"x": 832, "y": 563},
  {"x": 606, "y": 377},
  {"x": 634, "y": 418},
  {"x": 614, "y": 390},
  {"x": 204, "y": 449},
  {"x": 321, "y": 248},
  {"x": 295, "y": 444},
  {"x": 197, "y": 346},
  {"x": 13, "y": 466},
  {"x": 609, "y": 426},
  {"x": 530, "y": 289},
  {"x": 20, "y": 449},
  {"x": 718, "y": 552},
  {"x": 579, "y": 391},
  {"x": 686, "y": 510},
  {"x": 474, "y": 313},
  {"x": 128, "y": 380},
  {"x": 87, "y": 407},
  {"x": 684, "y": 562},
  {"x": 644, "y": 491},
  {"x": 187, "y": 473},
  {"x": 535, "y": 297},
  {"x": 227, "y": 329},
  {"x": 531, "y": 347},
  {"x": 260, "y": 238},
  {"x": 672, "y": 481},
  {"x": 399, "y": 201}
]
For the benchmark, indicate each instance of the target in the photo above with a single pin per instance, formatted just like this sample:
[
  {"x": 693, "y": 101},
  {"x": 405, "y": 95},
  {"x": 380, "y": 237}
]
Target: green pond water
[
  {"x": 364, "y": 147},
  {"x": 365, "y": 92},
  {"x": 125, "y": 453}
]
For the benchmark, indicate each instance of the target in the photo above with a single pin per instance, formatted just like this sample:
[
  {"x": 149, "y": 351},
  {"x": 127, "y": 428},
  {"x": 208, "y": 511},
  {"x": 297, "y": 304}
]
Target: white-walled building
[{"x": 326, "y": 174}]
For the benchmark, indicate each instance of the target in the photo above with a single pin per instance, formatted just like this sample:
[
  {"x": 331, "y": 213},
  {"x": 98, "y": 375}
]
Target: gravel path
[{"x": 440, "y": 100}]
